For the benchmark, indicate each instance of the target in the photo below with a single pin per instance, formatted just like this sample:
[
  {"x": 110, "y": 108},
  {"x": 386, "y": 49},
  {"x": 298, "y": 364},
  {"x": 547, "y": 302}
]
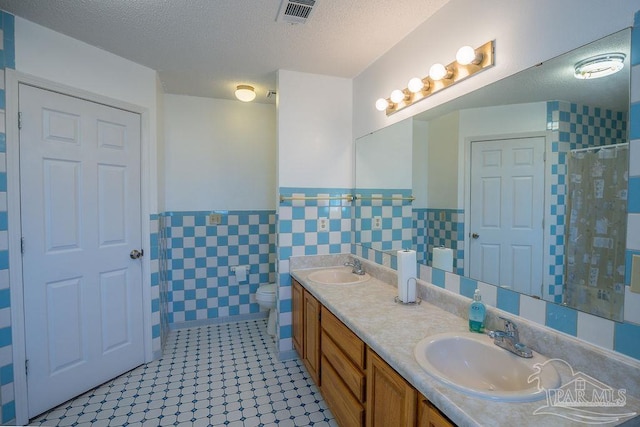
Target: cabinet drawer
[
  {"x": 346, "y": 408},
  {"x": 349, "y": 342},
  {"x": 351, "y": 375}
]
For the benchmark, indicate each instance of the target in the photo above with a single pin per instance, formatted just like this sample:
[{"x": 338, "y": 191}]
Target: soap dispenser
[{"x": 477, "y": 311}]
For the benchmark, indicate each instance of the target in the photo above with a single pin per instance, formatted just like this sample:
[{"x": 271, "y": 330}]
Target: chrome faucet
[
  {"x": 357, "y": 266},
  {"x": 509, "y": 339}
]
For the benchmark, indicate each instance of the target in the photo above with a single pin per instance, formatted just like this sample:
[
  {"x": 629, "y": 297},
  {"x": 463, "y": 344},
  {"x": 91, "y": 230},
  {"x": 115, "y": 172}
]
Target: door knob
[
  {"x": 135, "y": 254},
  {"x": 475, "y": 235}
]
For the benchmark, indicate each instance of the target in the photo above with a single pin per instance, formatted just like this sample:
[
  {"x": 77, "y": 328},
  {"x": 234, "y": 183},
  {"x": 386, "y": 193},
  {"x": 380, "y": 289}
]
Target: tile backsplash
[
  {"x": 439, "y": 227},
  {"x": 299, "y": 217},
  {"x": 622, "y": 337},
  {"x": 382, "y": 218}
]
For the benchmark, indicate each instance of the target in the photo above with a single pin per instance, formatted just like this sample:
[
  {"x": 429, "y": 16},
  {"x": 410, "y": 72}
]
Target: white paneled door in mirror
[{"x": 507, "y": 202}]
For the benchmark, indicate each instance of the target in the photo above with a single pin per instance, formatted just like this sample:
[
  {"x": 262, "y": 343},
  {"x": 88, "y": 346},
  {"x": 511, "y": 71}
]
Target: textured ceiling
[{"x": 207, "y": 47}]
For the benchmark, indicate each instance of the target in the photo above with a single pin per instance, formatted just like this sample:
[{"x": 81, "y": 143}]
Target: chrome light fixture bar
[{"x": 468, "y": 62}]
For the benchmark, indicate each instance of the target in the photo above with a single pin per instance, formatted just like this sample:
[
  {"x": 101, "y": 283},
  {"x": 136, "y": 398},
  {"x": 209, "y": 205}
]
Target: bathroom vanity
[
  {"x": 350, "y": 375},
  {"x": 358, "y": 345}
]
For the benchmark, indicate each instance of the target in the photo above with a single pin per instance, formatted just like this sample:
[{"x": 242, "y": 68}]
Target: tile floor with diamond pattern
[{"x": 217, "y": 375}]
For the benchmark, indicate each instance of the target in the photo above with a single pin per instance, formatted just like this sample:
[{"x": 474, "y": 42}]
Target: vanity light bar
[{"x": 440, "y": 77}]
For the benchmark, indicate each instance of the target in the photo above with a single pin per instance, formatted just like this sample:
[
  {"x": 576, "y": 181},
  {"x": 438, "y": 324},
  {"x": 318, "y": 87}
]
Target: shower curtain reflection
[{"x": 596, "y": 230}]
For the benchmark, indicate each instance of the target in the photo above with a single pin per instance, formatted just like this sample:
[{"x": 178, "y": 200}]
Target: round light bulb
[
  {"x": 382, "y": 104},
  {"x": 437, "y": 72},
  {"x": 397, "y": 96},
  {"x": 415, "y": 85},
  {"x": 466, "y": 55}
]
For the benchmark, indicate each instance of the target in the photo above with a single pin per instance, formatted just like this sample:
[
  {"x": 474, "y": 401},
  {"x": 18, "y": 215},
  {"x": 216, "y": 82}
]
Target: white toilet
[{"x": 266, "y": 298}]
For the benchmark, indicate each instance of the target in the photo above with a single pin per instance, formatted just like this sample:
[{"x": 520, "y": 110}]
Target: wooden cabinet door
[
  {"x": 391, "y": 400},
  {"x": 297, "y": 307},
  {"x": 430, "y": 416},
  {"x": 312, "y": 336}
]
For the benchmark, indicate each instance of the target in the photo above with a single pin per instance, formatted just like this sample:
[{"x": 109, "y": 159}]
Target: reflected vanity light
[
  {"x": 468, "y": 62},
  {"x": 599, "y": 66}
]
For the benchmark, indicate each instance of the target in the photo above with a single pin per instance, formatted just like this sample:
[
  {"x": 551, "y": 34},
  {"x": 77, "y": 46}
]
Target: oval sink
[
  {"x": 473, "y": 364},
  {"x": 337, "y": 276}
]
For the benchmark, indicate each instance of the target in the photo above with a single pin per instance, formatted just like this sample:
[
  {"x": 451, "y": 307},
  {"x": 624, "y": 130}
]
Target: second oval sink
[
  {"x": 473, "y": 364},
  {"x": 337, "y": 276}
]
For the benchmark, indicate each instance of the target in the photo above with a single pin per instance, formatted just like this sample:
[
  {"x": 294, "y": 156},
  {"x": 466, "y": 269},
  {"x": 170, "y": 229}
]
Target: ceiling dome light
[
  {"x": 245, "y": 93},
  {"x": 382, "y": 104},
  {"x": 599, "y": 66},
  {"x": 439, "y": 72},
  {"x": 467, "y": 55}
]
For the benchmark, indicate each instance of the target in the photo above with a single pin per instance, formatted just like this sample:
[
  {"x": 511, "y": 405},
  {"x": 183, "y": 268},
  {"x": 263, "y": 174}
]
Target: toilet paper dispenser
[{"x": 240, "y": 272}]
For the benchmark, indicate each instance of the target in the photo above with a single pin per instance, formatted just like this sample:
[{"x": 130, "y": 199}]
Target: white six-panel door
[
  {"x": 80, "y": 205},
  {"x": 507, "y": 211}
]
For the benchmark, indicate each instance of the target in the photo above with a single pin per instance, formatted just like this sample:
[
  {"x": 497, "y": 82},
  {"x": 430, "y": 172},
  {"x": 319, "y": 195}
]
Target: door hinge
[
  {"x": 22, "y": 245},
  {"x": 26, "y": 367},
  {"x": 19, "y": 120}
]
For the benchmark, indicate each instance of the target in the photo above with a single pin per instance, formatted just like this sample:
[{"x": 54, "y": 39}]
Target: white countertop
[{"x": 392, "y": 330}]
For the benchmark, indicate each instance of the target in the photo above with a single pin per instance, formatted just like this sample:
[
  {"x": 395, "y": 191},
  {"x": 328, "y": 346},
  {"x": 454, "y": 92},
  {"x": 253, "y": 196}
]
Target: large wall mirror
[{"x": 521, "y": 184}]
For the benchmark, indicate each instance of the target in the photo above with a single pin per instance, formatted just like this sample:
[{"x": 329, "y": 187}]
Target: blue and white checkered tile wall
[
  {"x": 299, "y": 233},
  {"x": 393, "y": 209},
  {"x": 439, "y": 227},
  {"x": 7, "y": 399},
  {"x": 199, "y": 260},
  {"x": 388, "y": 259},
  {"x": 159, "y": 284},
  {"x": 163, "y": 280},
  {"x": 154, "y": 261},
  {"x": 573, "y": 126}
]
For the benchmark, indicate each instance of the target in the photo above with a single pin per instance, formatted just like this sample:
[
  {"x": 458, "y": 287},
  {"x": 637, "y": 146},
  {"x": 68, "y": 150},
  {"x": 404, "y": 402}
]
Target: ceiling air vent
[{"x": 295, "y": 11}]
